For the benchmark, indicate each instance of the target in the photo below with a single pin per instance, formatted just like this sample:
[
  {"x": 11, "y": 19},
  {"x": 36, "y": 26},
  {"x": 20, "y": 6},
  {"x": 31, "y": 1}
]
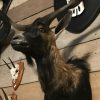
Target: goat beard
[{"x": 29, "y": 59}]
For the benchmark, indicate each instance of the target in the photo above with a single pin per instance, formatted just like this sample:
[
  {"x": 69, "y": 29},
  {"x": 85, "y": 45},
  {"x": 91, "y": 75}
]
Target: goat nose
[{"x": 17, "y": 37}]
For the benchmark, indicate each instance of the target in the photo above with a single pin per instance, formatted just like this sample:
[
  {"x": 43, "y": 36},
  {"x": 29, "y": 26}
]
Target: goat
[{"x": 59, "y": 80}]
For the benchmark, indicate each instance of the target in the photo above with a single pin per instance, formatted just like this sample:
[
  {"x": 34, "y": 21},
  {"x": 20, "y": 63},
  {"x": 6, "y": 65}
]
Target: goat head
[{"x": 36, "y": 34}]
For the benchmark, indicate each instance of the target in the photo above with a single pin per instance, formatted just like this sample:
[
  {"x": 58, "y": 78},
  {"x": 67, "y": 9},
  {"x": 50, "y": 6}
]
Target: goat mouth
[{"x": 20, "y": 45}]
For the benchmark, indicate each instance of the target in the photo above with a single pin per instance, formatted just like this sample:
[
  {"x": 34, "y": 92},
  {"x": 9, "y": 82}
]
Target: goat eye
[{"x": 42, "y": 30}]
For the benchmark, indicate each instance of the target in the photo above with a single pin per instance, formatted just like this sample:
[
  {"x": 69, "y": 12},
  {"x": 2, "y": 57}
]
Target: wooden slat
[
  {"x": 33, "y": 91},
  {"x": 9, "y": 52},
  {"x": 92, "y": 48},
  {"x": 29, "y": 8},
  {"x": 30, "y": 91},
  {"x": 41, "y": 14},
  {"x": 30, "y": 75},
  {"x": 16, "y": 3},
  {"x": 95, "y": 84}
]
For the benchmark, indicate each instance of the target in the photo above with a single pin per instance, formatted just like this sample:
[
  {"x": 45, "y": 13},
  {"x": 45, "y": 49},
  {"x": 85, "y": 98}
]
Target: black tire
[{"x": 81, "y": 22}]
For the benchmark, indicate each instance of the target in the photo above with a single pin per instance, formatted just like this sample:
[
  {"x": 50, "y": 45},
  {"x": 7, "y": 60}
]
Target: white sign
[{"x": 78, "y": 10}]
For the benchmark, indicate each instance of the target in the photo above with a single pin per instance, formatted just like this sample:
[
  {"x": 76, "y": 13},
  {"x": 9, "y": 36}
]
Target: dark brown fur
[{"x": 59, "y": 81}]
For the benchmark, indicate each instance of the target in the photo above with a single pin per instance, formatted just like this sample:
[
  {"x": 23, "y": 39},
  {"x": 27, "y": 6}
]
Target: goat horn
[
  {"x": 12, "y": 62},
  {"x": 18, "y": 26},
  {"x": 49, "y": 18},
  {"x": 6, "y": 64},
  {"x": 5, "y": 95}
]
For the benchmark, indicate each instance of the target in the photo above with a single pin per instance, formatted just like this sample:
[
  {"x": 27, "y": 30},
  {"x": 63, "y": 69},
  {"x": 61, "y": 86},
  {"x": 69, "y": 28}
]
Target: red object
[{"x": 20, "y": 75}]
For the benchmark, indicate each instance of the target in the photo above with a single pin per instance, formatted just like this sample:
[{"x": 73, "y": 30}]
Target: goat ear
[{"x": 64, "y": 22}]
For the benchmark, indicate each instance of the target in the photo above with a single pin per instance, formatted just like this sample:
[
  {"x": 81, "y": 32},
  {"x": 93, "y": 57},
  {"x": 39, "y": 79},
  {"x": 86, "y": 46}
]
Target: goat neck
[{"x": 50, "y": 67}]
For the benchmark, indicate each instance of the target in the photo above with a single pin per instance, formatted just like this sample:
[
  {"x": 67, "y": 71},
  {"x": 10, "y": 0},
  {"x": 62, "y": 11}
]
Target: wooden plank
[
  {"x": 30, "y": 91},
  {"x": 41, "y": 14},
  {"x": 91, "y": 48},
  {"x": 33, "y": 91},
  {"x": 9, "y": 52},
  {"x": 30, "y": 75},
  {"x": 95, "y": 84},
  {"x": 16, "y": 3},
  {"x": 29, "y": 8}
]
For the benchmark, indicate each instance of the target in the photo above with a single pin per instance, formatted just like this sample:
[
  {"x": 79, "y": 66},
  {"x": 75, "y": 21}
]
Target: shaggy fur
[{"x": 59, "y": 80}]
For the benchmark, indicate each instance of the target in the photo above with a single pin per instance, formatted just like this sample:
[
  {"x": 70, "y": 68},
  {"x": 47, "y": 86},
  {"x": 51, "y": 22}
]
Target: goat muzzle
[{"x": 19, "y": 43}]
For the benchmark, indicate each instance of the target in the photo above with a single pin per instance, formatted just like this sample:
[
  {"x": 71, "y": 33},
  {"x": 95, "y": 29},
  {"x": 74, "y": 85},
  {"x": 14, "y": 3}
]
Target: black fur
[{"x": 59, "y": 80}]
